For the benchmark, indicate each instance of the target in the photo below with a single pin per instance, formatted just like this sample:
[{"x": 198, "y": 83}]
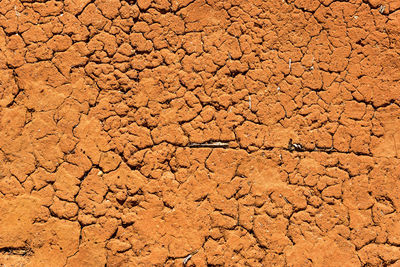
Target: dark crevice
[{"x": 20, "y": 251}]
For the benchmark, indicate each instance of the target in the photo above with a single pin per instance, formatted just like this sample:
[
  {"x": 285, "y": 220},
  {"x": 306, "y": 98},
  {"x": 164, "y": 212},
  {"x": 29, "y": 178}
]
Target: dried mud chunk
[
  {"x": 376, "y": 254},
  {"x": 66, "y": 182},
  {"x": 34, "y": 34},
  {"x": 78, "y": 157},
  {"x": 312, "y": 79},
  {"x": 124, "y": 179},
  {"x": 198, "y": 15},
  {"x": 354, "y": 110},
  {"x": 383, "y": 182},
  {"x": 144, "y": 4},
  {"x": 92, "y": 139},
  {"x": 92, "y": 16},
  {"x": 193, "y": 43},
  {"x": 393, "y": 29},
  {"x": 14, "y": 55},
  {"x": 143, "y": 233},
  {"x": 139, "y": 136},
  {"x": 73, "y": 27},
  {"x": 232, "y": 47},
  {"x": 394, "y": 233},
  {"x": 163, "y": 5},
  {"x": 129, "y": 11},
  {"x": 109, "y": 9},
  {"x": 387, "y": 146},
  {"x": 109, "y": 161},
  {"x": 12, "y": 122},
  {"x": 250, "y": 134},
  {"x": 271, "y": 232},
  {"x": 67, "y": 117},
  {"x": 103, "y": 42},
  {"x": 17, "y": 218},
  {"x": 390, "y": 66},
  {"x": 59, "y": 43},
  {"x": 195, "y": 237},
  {"x": 39, "y": 79},
  {"x": 10, "y": 185},
  {"x": 92, "y": 192},
  {"x": 63, "y": 209},
  {"x": 332, "y": 192},
  {"x": 63, "y": 234},
  {"x": 321, "y": 252},
  {"x": 263, "y": 179},
  {"x": 48, "y": 152},
  {"x": 172, "y": 134},
  {"x": 331, "y": 215},
  {"x": 8, "y": 88},
  {"x": 360, "y": 218},
  {"x": 89, "y": 254},
  {"x": 72, "y": 57},
  {"x": 223, "y": 163},
  {"x": 214, "y": 252},
  {"x": 41, "y": 125},
  {"x": 39, "y": 94},
  {"x": 4, "y": 170},
  {"x": 139, "y": 43},
  {"x": 45, "y": 196},
  {"x": 341, "y": 139},
  {"x": 227, "y": 207},
  {"x": 37, "y": 52},
  {"x": 246, "y": 216},
  {"x": 9, "y": 22},
  {"x": 270, "y": 114},
  {"x": 339, "y": 59},
  {"x": 99, "y": 232},
  {"x": 219, "y": 220},
  {"x": 50, "y": 8},
  {"x": 22, "y": 165},
  {"x": 116, "y": 245},
  {"x": 75, "y": 6},
  {"x": 364, "y": 236}
]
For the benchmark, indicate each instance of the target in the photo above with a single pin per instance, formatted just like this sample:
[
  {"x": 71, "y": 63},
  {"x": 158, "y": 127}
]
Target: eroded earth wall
[{"x": 227, "y": 133}]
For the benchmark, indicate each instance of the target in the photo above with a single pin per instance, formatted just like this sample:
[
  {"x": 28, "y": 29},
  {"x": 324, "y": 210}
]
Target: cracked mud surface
[{"x": 220, "y": 133}]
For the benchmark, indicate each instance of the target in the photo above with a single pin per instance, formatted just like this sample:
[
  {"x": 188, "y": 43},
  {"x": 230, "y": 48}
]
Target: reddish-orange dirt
[{"x": 199, "y": 133}]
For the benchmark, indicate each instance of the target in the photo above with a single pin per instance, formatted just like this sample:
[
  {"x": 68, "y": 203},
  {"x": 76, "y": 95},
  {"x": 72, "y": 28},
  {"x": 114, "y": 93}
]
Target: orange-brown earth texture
[{"x": 200, "y": 133}]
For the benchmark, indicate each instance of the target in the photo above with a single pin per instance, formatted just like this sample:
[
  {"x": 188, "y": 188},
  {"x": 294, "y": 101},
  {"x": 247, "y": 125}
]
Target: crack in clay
[
  {"x": 20, "y": 251},
  {"x": 216, "y": 144}
]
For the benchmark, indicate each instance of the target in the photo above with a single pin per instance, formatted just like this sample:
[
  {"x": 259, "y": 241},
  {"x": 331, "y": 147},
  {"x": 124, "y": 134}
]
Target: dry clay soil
[{"x": 219, "y": 133}]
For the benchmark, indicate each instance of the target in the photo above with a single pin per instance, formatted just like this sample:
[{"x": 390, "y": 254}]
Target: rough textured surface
[{"x": 158, "y": 132}]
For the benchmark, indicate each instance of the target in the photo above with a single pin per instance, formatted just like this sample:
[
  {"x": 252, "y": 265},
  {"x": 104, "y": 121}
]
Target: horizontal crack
[
  {"x": 21, "y": 251},
  {"x": 292, "y": 147},
  {"x": 210, "y": 145}
]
